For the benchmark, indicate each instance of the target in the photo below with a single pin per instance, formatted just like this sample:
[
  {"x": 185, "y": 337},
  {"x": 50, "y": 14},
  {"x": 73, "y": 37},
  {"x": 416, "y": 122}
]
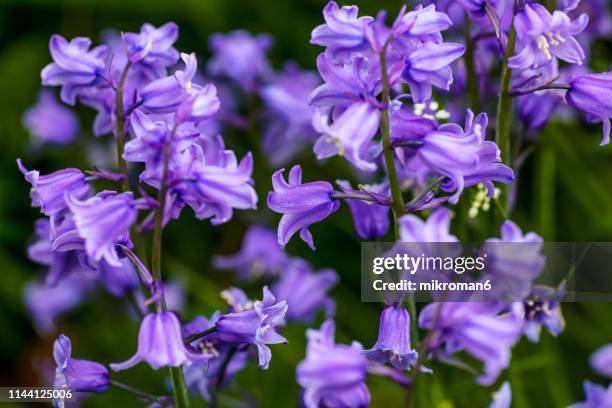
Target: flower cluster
[{"x": 383, "y": 103}]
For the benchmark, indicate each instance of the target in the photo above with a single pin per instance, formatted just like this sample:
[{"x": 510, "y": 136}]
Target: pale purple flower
[
  {"x": 199, "y": 106},
  {"x": 393, "y": 342},
  {"x": 75, "y": 374},
  {"x": 260, "y": 255},
  {"x": 597, "y": 396},
  {"x": 149, "y": 143},
  {"x": 118, "y": 280},
  {"x": 464, "y": 156},
  {"x": 435, "y": 229},
  {"x": 502, "y": 398},
  {"x": 46, "y": 304},
  {"x": 214, "y": 183},
  {"x": 103, "y": 221},
  {"x": 343, "y": 31},
  {"x": 590, "y": 94},
  {"x": 288, "y": 117},
  {"x": 514, "y": 261},
  {"x": 542, "y": 36},
  {"x": 153, "y": 47},
  {"x": 350, "y": 135},
  {"x": 202, "y": 377},
  {"x": 371, "y": 220},
  {"x": 601, "y": 360},
  {"x": 535, "y": 110},
  {"x": 305, "y": 290},
  {"x": 160, "y": 344},
  {"x": 332, "y": 375},
  {"x": 74, "y": 66},
  {"x": 164, "y": 95},
  {"x": 49, "y": 191},
  {"x": 302, "y": 204},
  {"x": 240, "y": 56},
  {"x": 50, "y": 122},
  {"x": 429, "y": 66},
  {"x": 475, "y": 327},
  {"x": 255, "y": 326}
]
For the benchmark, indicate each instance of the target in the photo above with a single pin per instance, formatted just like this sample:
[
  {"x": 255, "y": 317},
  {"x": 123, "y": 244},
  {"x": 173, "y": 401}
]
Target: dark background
[{"x": 564, "y": 195}]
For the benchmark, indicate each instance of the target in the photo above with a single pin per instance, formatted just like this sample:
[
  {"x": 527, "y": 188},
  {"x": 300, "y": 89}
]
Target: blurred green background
[{"x": 564, "y": 195}]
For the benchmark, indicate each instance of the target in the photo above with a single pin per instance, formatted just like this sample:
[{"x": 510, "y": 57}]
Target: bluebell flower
[
  {"x": 74, "y": 67},
  {"x": 153, "y": 46},
  {"x": 597, "y": 396},
  {"x": 255, "y": 326},
  {"x": 464, "y": 156},
  {"x": 48, "y": 191},
  {"x": 371, "y": 220},
  {"x": 260, "y": 255},
  {"x": 429, "y": 66},
  {"x": 302, "y": 204},
  {"x": 435, "y": 229},
  {"x": 590, "y": 94},
  {"x": 542, "y": 36},
  {"x": 332, "y": 375},
  {"x": 50, "y": 122},
  {"x": 288, "y": 117},
  {"x": 514, "y": 261},
  {"x": 475, "y": 327},
  {"x": 74, "y": 374},
  {"x": 305, "y": 291},
  {"x": 343, "y": 31},
  {"x": 202, "y": 377},
  {"x": 240, "y": 56},
  {"x": 103, "y": 221},
  {"x": 199, "y": 106},
  {"x": 47, "y": 304},
  {"x": 601, "y": 360},
  {"x": 164, "y": 95},
  {"x": 160, "y": 344},
  {"x": 393, "y": 342}
]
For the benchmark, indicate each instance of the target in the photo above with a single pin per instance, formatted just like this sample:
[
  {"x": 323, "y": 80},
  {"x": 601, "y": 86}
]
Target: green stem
[
  {"x": 504, "y": 106},
  {"x": 472, "y": 79},
  {"x": 396, "y": 193},
  {"x": 176, "y": 373}
]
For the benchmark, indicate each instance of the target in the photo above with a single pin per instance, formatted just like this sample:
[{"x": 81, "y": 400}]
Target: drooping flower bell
[
  {"x": 343, "y": 31},
  {"x": 199, "y": 106},
  {"x": 74, "y": 374},
  {"x": 50, "y": 122},
  {"x": 464, "y": 157},
  {"x": 350, "y": 135},
  {"x": 542, "y": 36},
  {"x": 601, "y": 360},
  {"x": 332, "y": 375},
  {"x": 435, "y": 229},
  {"x": 153, "y": 47},
  {"x": 590, "y": 94},
  {"x": 475, "y": 327},
  {"x": 371, "y": 220},
  {"x": 255, "y": 326},
  {"x": 429, "y": 66},
  {"x": 302, "y": 204},
  {"x": 164, "y": 95},
  {"x": 160, "y": 344},
  {"x": 103, "y": 221},
  {"x": 240, "y": 56},
  {"x": 74, "y": 66},
  {"x": 260, "y": 255},
  {"x": 49, "y": 191},
  {"x": 305, "y": 290},
  {"x": 393, "y": 343}
]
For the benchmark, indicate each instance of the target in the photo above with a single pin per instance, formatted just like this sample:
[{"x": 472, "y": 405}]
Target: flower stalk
[
  {"x": 504, "y": 105},
  {"x": 119, "y": 117}
]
